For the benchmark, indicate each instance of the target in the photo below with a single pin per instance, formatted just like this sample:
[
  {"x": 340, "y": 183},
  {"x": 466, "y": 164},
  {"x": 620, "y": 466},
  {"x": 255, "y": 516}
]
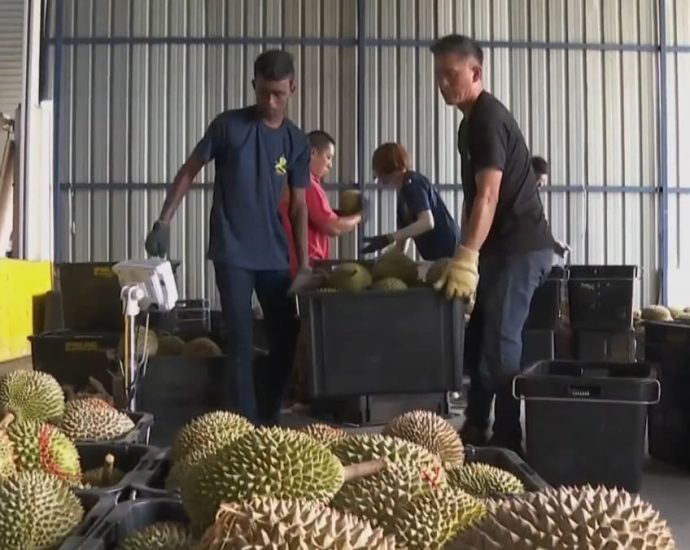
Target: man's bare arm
[
  {"x": 340, "y": 225},
  {"x": 299, "y": 216},
  {"x": 181, "y": 184},
  {"x": 483, "y": 209}
]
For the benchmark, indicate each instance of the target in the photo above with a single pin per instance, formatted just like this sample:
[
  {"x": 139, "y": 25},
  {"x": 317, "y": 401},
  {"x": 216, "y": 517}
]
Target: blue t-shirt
[
  {"x": 252, "y": 164},
  {"x": 417, "y": 195}
]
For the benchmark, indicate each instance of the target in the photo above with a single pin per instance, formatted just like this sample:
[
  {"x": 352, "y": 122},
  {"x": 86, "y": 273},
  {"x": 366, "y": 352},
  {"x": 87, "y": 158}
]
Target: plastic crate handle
[{"x": 578, "y": 392}]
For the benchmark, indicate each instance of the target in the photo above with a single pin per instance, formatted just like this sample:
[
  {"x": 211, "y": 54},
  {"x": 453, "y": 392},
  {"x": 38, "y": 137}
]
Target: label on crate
[
  {"x": 102, "y": 271},
  {"x": 85, "y": 345}
]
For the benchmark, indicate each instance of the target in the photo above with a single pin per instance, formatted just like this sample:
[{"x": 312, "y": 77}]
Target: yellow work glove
[{"x": 461, "y": 275}]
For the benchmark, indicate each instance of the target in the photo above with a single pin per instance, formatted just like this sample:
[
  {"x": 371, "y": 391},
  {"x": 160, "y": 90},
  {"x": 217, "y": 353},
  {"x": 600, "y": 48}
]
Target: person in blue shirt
[
  {"x": 421, "y": 213},
  {"x": 256, "y": 150}
]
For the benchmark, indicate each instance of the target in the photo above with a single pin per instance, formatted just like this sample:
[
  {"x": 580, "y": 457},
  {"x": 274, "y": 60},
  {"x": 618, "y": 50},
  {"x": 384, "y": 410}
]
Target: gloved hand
[
  {"x": 158, "y": 240},
  {"x": 301, "y": 281},
  {"x": 374, "y": 244},
  {"x": 561, "y": 248},
  {"x": 461, "y": 275}
]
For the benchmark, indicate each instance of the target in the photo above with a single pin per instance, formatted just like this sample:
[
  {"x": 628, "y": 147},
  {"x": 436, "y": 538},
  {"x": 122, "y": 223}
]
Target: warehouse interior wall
[{"x": 595, "y": 86}]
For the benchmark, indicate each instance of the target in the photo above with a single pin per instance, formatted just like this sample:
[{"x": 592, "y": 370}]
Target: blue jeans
[
  {"x": 257, "y": 396},
  {"x": 493, "y": 344}
]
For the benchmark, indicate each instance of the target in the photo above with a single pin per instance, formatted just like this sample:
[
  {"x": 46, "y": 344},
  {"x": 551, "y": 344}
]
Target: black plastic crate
[
  {"x": 155, "y": 485},
  {"x": 369, "y": 410},
  {"x": 129, "y": 517},
  {"x": 137, "y": 463},
  {"x": 605, "y": 345},
  {"x": 545, "y": 307},
  {"x": 188, "y": 319},
  {"x": 537, "y": 345},
  {"x": 72, "y": 357},
  {"x": 140, "y": 434},
  {"x": 375, "y": 342},
  {"x": 668, "y": 346},
  {"x": 601, "y": 297},
  {"x": 510, "y": 462},
  {"x": 586, "y": 421},
  {"x": 96, "y": 508}
]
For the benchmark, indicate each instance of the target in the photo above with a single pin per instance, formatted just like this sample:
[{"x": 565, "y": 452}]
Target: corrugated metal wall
[{"x": 137, "y": 97}]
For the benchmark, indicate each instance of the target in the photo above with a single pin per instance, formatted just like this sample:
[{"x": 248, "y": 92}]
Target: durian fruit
[
  {"x": 436, "y": 270},
  {"x": 265, "y": 462},
  {"x": 676, "y": 312},
  {"x": 7, "y": 459},
  {"x": 349, "y": 277},
  {"x": 363, "y": 447},
  {"x": 483, "y": 480},
  {"x": 30, "y": 395},
  {"x": 349, "y": 202},
  {"x": 163, "y": 535},
  {"x": 170, "y": 344},
  {"x": 432, "y": 432},
  {"x": 656, "y": 313},
  {"x": 430, "y": 519},
  {"x": 143, "y": 343},
  {"x": 37, "y": 510},
  {"x": 684, "y": 318},
  {"x": 201, "y": 347},
  {"x": 569, "y": 517},
  {"x": 185, "y": 465},
  {"x": 221, "y": 426},
  {"x": 90, "y": 403},
  {"x": 83, "y": 421},
  {"x": 104, "y": 476},
  {"x": 44, "y": 447},
  {"x": 389, "y": 284},
  {"x": 687, "y": 310},
  {"x": 395, "y": 264},
  {"x": 268, "y": 523},
  {"x": 323, "y": 433}
]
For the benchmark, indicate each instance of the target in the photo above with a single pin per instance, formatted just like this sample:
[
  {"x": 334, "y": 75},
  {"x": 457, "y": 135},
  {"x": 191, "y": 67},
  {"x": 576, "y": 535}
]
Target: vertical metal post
[
  {"x": 361, "y": 92},
  {"x": 663, "y": 153},
  {"x": 57, "y": 74}
]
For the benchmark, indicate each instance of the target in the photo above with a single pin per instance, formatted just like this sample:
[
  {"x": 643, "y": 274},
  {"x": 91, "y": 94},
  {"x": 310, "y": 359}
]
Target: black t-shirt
[{"x": 489, "y": 137}]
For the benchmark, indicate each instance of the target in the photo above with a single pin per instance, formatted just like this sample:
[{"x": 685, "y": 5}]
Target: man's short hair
[
  {"x": 320, "y": 140},
  {"x": 459, "y": 44},
  {"x": 274, "y": 65},
  {"x": 540, "y": 166}
]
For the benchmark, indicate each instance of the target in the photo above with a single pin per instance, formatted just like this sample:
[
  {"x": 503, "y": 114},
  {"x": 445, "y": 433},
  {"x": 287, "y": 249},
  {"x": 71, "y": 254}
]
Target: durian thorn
[
  {"x": 107, "y": 474},
  {"x": 7, "y": 420},
  {"x": 363, "y": 469}
]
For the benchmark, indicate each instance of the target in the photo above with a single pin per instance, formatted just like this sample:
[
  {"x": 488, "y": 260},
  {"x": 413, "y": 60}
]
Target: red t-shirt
[{"x": 320, "y": 213}]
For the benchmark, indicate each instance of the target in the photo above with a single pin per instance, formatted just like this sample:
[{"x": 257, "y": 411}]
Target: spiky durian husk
[
  {"x": 363, "y": 447},
  {"x": 7, "y": 459},
  {"x": 31, "y": 395},
  {"x": 169, "y": 344},
  {"x": 432, "y": 432},
  {"x": 656, "y": 313},
  {"x": 44, "y": 447},
  {"x": 201, "y": 347},
  {"x": 430, "y": 519},
  {"x": 389, "y": 284},
  {"x": 185, "y": 466},
  {"x": 82, "y": 421},
  {"x": 569, "y": 517},
  {"x": 395, "y": 264},
  {"x": 37, "y": 510},
  {"x": 323, "y": 433},
  {"x": 376, "y": 497},
  {"x": 89, "y": 402},
  {"x": 265, "y": 462},
  {"x": 220, "y": 426},
  {"x": 483, "y": 480},
  {"x": 160, "y": 536},
  {"x": 282, "y": 524}
]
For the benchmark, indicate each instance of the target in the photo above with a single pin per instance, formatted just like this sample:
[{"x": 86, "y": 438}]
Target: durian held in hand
[{"x": 30, "y": 395}]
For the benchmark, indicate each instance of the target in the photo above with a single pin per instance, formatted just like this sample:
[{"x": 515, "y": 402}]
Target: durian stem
[
  {"x": 107, "y": 474},
  {"x": 363, "y": 469},
  {"x": 7, "y": 420}
]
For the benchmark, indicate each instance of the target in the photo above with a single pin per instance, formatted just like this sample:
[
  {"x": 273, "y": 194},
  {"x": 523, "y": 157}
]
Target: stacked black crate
[
  {"x": 600, "y": 300},
  {"x": 543, "y": 319}
]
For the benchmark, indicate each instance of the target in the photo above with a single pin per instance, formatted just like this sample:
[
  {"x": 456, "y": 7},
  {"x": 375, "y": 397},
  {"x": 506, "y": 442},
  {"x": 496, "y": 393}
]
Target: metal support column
[
  {"x": 57, "y": 79},
  {"x": 361, "y": 91},
  {"x": 664, "y": 262}
]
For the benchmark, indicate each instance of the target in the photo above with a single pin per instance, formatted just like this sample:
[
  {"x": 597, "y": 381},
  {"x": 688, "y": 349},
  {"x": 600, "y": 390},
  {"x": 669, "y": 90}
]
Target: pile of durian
[
  {"x": 391, "y": 272},
  {"x": 39, "y": 462},
  {"x": 246, "y": 487}
]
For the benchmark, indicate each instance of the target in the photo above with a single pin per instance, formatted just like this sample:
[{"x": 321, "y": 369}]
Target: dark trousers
[
  {"x": 257, "y": 395},
  {"x": 493, "y": 345}
]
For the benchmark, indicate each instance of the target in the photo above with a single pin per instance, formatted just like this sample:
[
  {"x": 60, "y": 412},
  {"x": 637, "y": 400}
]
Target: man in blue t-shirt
[{"x": 255, "y": 149}]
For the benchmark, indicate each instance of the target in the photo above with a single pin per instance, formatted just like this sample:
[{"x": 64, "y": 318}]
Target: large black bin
[
  {"x": 377, "y": 342},
  {"x": 544, "y": 309},
  {"x": 586, "y": 421}
]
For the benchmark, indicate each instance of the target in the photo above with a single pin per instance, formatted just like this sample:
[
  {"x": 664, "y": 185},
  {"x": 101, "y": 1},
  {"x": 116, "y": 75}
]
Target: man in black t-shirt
[{"x": 506, "y": 247}]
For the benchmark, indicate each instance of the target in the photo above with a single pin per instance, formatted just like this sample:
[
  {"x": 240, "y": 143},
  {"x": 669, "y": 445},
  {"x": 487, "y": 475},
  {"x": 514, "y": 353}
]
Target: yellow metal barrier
[{"x": 22, "y": 284}]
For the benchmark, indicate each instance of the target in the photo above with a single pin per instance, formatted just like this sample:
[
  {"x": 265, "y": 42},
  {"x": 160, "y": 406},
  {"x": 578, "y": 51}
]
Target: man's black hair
[
  {"x": 540, "y": 166},
  {"x": 459, "y": 44},
  {"x": 274, "y": 65},
  {"x": 320, "y": 140}
]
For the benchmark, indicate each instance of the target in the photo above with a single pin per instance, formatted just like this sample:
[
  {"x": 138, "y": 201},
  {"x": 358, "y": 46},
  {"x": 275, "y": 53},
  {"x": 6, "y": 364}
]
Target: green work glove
[{"x": 158, "y": 240}]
